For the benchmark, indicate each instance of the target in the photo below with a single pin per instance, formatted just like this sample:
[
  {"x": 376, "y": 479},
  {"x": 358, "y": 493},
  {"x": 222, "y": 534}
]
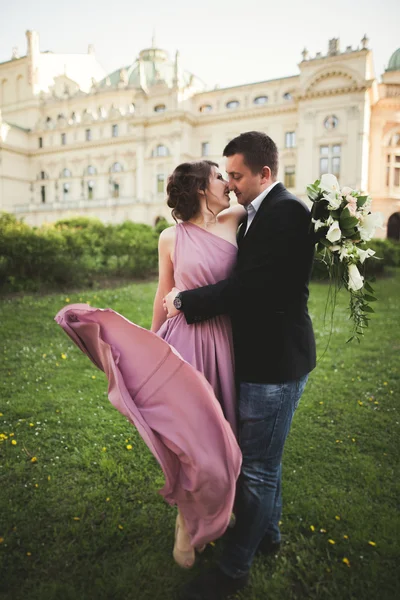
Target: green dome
[{"x": 394, "y": 62}]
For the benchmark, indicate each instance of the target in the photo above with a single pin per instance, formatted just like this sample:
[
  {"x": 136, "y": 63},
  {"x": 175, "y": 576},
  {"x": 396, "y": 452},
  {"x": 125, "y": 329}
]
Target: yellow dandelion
[
  {"x": 338, "y": 441},
  {"x": 360, "y": 403},
  {"x": 1, "y": 414},
  {"x": 29, "y": 554},
  {"x": 104, "y": 449},
  {"x": 321, "y": 402},
  {"x": 87, "y": 302},
  {"x": 12, "y": 434},
  {"x": 76, "y": 518},
  {"x": 93, "y": 376},
  {"x": 33, "y": 459},
  {"x": 31, "y": 424},
  {"x": 57, "y": 364},
  {"x": 66, "y": 299},
  {"x": 63, "y": 355},
  {"x": 337, "y": 518},
  {"x": 322, "y": 530},
  {"x": 44, "y": 355},
  {"x": 312, "y": 527},
  {"x": 14, "y": 442},
  {"x": 332, "y": 541},
  {"x": 36, "y": 485},
  {"x": 346, "y": 561},
  {"x": 120, "y": 527},
  {"x": 1, "y": 540},
  {"x": 353, "y": 439},
  {"x": 376, "y": 402},
  {"x": 385, "y": 383},
  {"x": 372, "y": 543},
  {"x": 48, "y": 477},
  {"x": 129, "y": 447},
  {"x": 107, "y": 499},
  {"x": 345, "y": 537}
]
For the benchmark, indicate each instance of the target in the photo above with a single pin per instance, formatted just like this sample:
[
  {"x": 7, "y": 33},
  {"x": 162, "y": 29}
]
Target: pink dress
[
  {"x": 202, "y": 258},
  {"x": 171, "y": 403}
]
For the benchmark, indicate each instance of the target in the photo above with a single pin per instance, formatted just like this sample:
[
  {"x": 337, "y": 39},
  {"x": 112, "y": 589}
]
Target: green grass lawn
[{"x": 80, "y": 516}]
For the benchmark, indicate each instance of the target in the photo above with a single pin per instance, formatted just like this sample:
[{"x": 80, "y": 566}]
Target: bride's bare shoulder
[
  {"x": 235, "y": 213},
  {"x": 167, "y": 236}
]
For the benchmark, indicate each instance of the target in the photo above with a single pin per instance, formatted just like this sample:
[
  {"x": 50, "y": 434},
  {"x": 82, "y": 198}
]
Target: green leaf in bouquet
[
  {"x": 368, "y": 309},
  {"x": 361, "y": 200},
  {"x": 370, "y": 298},
  {"x": 368, "y": 287}
]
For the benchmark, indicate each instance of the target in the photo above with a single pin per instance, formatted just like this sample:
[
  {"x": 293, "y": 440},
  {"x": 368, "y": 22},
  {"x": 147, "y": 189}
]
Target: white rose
[
  {"x": 334, "y": 234},
  {"x": 368, "y": 225},
  {"x": 356, "y": 281},
  {"x": 345, "y": 191},
  {"x": 363, "y": 254},
  {"x": 346, "y": 250}
]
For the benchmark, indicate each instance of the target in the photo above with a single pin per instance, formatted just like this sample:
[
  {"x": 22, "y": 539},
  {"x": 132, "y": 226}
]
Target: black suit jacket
[{"x": 267, "y": 293}]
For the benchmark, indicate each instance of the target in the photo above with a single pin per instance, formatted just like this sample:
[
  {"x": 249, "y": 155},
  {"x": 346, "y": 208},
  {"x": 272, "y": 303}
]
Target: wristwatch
[{"x": 178, "y": 301}]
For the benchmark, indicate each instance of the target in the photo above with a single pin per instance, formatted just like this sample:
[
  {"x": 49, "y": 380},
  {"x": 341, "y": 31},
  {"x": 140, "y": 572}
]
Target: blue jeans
[{"x": 265, "y": 415}]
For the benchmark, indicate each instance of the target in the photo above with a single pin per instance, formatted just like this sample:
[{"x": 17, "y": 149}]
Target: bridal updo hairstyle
[{"x": 184, "y": 185}]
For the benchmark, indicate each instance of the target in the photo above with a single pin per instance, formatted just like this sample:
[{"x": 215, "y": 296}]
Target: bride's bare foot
[{"x": 183, "y": 553}]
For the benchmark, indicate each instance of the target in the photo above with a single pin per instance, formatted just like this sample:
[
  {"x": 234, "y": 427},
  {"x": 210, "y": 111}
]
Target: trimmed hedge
[{"x": 75, "y": 251}]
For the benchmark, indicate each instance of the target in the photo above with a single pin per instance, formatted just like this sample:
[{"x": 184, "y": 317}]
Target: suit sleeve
[{"x": 277, "y": 265}]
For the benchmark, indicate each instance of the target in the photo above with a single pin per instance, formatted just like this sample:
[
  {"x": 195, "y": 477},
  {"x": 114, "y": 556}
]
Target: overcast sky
[{"x": 223, "y": 42}]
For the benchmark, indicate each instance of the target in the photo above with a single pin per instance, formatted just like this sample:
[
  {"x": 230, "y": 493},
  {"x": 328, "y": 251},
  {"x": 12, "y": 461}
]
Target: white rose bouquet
[{"x": 343, "y": 223}]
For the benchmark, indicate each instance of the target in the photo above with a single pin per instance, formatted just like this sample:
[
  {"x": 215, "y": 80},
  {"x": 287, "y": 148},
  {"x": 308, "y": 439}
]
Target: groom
[{"x": 266, "y": 297}]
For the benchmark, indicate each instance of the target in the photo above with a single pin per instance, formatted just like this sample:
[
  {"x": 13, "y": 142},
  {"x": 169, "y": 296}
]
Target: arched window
[
  {"x": 287, "y": 96},
  {"x": 261, "y": 100},
  {"x": 73, "y": 118},
  {"x": 393, "y": 227},
  {"x": 205, "y": 108},
  {"x": 90, "y": 189},
  {"x": 43, "y": 175},
  {"x": 66, "y": 173},
  {"x": 90, "y": 170},
  {"x": 116, "y": 168},
  {"x": 49, "y": 123},
  {"x": 331, "y": 122},
  {"x": 232, "y": 104},
  {"x": 160, "y": 150},
  {"x": 160, "y": 108}
]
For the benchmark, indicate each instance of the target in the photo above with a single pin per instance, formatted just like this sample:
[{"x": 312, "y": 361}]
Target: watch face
[{"x": 177, "y": 302}]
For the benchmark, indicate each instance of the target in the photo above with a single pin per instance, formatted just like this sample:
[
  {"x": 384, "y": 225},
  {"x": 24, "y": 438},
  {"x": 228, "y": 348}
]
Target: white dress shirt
[{"x": 253, "y": 207}]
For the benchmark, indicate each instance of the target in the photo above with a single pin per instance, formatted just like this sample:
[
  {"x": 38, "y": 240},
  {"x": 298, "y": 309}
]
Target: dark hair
[
  {"x": 184, "y": 185},
  {"x": 258, "y": 151}
]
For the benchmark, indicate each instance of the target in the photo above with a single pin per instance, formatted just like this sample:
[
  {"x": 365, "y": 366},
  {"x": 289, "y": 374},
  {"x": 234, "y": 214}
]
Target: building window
[
  {"x": 261, "y": 100},
  {"x": 205, "y": 108},
  {"x": 116, "y": 168},
  {"x": 290, "y": 139},
  {"x": 232, "y": 104},
  {"x": 287, "y": 96},
  {"x": 63, "y": 139},
  {"x": 290, "y": 177},
  {"x": 160, "y": 183},
  {"x": 115, "y": 189},
  {"x": 114, "y": 131},
  {"x": 66, "y": 188},
  {"x": 40, "y": 142},
  {"x": 90, "y": 189},
  {"x": 329, "y": 160},
  {"x": 160, "y": 150},
  {"x": 91, "y": 170},
  {"x": 88, "y": 135},
  {"x": 43, "y": 175},
  {"x": 393, "y": 162},
  {"x": 331, "y": 122},
  {"x": 160, "y": 108},
  {"x": 43, "y": 193},
  {"x": 205, "y": 148},
  {"x": 66, "y": 173}
]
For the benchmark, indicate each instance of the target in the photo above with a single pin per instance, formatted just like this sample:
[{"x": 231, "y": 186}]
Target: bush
[{"x": 72, "y": 251}]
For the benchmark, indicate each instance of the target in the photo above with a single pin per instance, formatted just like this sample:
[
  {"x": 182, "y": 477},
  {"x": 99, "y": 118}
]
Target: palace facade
[{"x": 76, "y": 140}]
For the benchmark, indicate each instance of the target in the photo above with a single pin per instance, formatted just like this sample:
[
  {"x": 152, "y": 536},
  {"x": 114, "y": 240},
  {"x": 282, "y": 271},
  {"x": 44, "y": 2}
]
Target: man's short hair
[{"x": 258, "y": 151}]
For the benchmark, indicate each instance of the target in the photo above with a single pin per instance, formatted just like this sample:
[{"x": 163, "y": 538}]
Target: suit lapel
[
  {"x": 268, "y": 200},
  {"x": 241, "y": 230}
]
